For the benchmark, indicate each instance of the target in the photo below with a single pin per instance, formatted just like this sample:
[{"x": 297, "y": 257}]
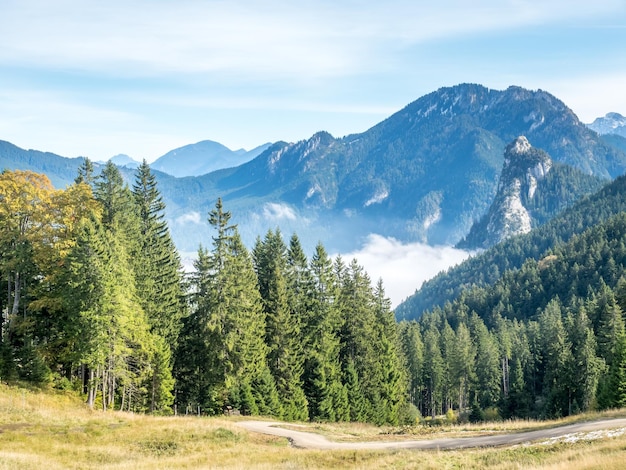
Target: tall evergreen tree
[
  {"x": 227, "y": 326},
  {"x": 325, "y": 393},
  {"x": 557, "y": 360},
  {"x": 282, "y": 332},
  {"x": 159, "y": 280}
]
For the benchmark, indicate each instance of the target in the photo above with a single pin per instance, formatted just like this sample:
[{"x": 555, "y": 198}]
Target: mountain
[
  {"x": 612, "y": 123},
  {"x": 487, "y": 267},
  {"x": 125, "y": 160},
  {"x": 615, "y": 140},
  {"x": 427, "y": 173},
  {"x": 202, "y": 158},
  {"x": 60, "y": 170},
  {"x": 531, "y": 190}
]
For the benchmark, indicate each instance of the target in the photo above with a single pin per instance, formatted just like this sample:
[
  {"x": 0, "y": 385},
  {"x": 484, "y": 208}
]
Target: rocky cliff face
[
  {"x": 523, "y": 167},
  {"x": 509, "y": 214}
]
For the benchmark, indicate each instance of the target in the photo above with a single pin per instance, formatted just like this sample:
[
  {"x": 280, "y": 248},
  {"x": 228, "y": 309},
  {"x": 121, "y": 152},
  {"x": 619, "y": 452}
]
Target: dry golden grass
[
  {"x": 351, "y": 432},
  {"x": 56, "y": 431}
]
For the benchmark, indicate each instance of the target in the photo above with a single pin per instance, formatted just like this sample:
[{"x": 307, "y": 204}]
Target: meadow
[{"x": 55, "y": 430}]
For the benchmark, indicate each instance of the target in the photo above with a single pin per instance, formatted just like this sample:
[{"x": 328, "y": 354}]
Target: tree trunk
[
  {"x": 153, "y": 395},
  {"x": 505, "y": 376},
  {"x": 91, "y": 389},
  {"x": 16, "y": 294},
  {"x": 104, "y": 390}
]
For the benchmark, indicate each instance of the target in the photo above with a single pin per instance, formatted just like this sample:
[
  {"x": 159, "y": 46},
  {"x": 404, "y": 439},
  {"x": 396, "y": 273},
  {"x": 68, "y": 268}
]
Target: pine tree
[
  {"x": 462, "y": 366},
  {"x": 433, "y": 370},
  {"x": 227, "y": 327},
  {"x": 413, "y": 353},
  {"x": 282, "y": 332},
  {"x": 325, "y": 393},
  {"x": 587, "y": 366},
  {"x": 487, "y": 387},
  {"x": 389, "y": 350},
  {"x": 85, "y": 172},
  {"x": 557, "y": 360},
  {"x": 159, "y": 280}
]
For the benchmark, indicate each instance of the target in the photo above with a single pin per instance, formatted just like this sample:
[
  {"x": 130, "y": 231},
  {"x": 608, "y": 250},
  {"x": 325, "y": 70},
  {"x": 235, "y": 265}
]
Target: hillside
[
  {"x": 60, "y": 170},
  {"x": 486, "y": 268}
]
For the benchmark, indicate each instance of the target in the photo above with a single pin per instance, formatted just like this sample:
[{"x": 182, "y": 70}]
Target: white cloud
[
  {"x": 403, "y": 267},
  {"x": 273, "y": 211},
  {"x": 192, "y": 217}
]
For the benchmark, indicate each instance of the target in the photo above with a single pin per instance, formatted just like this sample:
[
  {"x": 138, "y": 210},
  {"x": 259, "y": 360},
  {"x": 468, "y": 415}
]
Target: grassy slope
[{"x": 56, "y": 431}]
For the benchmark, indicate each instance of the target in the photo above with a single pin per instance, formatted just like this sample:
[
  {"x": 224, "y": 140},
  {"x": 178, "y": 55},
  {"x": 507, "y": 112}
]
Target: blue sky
[{"x": 144, "y": 77}]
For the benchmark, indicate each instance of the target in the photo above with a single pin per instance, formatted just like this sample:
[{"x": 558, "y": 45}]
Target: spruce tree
[
  {"x": 159, "y": 282},
  {"x": 227, "y": 328},
  {"x": 282, "y": 332},
  {"x": 325, "y": 393}
]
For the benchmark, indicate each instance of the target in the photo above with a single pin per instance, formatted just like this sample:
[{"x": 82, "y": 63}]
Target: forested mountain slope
[
  {"x": 547, "y": 339},
  {"x": 532, "y": 189},
  {"x": 487, "y": 267}
]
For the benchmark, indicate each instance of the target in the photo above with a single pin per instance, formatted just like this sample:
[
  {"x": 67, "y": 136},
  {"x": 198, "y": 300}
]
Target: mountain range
[{"x": 427, "y": 173}]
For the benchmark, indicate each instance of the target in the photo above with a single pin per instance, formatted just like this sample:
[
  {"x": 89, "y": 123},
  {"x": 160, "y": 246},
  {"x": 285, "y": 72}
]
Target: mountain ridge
[
  {"x": 427, "y": 173},
  {"x": 203, "y": 157},
  {"x": 611, "y": 123}
]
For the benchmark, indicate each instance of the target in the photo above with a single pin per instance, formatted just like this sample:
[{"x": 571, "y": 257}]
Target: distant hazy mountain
[
  {"x": 60, "y": 170},
  {"x": 202, "y": 158},
  {"x": 532, "y": 189},
  {"x": 125, "y": 160},
  {"x": 612, "y": 123}
]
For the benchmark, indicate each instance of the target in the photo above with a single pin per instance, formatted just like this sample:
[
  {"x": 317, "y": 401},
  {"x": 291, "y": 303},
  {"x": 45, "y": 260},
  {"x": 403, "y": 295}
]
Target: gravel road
[{"x": 308, "y": 440}]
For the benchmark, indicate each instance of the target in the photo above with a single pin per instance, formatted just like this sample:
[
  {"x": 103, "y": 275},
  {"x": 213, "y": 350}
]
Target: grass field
[{"x": 56, "y": 431}]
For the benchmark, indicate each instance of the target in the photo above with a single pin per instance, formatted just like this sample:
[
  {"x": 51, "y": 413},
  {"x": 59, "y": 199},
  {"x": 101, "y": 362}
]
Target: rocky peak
[
  {"x": 612, "y": 123},
  {"x": 509, "y": 215},
  {"x": 523, "y": 164},
  {"x": 519, "y": 146}
]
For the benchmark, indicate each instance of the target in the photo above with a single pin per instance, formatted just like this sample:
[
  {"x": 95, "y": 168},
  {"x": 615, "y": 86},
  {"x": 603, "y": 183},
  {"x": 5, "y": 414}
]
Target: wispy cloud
[
  {"x": 276, "y": 212},
  {"x": 144, "y": 77},
  {"x": 189, "y": 218},
  {"x": 403, "y": 267},
  {"x": 303, "y": 40}
]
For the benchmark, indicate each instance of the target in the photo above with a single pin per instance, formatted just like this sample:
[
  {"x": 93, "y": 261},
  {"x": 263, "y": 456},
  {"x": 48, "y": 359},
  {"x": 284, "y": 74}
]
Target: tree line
[{"x": 96, "y": 300}]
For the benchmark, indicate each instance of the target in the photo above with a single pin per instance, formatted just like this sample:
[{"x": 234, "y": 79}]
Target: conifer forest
[{"x": 94, "y": 299}]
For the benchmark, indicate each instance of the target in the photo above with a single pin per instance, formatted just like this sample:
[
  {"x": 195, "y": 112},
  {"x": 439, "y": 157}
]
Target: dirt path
[{"x": 308, "y": 440}]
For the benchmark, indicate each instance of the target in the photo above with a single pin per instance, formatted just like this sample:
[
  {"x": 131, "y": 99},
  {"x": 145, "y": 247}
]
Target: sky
[{"x": 142, "y": 77}]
